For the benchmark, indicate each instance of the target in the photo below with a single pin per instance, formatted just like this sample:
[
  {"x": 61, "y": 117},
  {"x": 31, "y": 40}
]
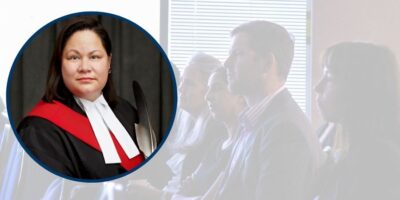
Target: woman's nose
[{"x": 84, "y": 66}]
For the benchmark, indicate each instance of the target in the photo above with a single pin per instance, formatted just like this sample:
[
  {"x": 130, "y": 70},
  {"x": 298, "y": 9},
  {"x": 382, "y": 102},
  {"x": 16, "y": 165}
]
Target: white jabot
[{"x": 103, "y": 120}]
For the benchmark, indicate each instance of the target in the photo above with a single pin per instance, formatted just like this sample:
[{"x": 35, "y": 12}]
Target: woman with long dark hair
[
  {"x": 358, "y": 94},
  {"x": 81, "y": 129}
]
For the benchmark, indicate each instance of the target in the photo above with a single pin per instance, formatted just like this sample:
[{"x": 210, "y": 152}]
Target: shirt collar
[{"x": 250, "y": 116}]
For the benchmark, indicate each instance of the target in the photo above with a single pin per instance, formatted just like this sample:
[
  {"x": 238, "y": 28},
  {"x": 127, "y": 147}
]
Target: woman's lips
[{"x": 85, "y": 79}]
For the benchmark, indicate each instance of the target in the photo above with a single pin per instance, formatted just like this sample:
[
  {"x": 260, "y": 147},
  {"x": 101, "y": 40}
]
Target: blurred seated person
[
  {"x": 224, "y": 107},
  {"x": 358, "y": 95},
  {"x": 193, "y": 133}
]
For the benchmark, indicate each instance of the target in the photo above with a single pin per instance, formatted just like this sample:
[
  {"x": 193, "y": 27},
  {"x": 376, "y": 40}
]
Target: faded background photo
[{"x": 277, "y": 99}]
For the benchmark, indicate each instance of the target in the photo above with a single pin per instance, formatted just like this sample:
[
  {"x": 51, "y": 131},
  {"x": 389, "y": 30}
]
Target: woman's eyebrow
[
  {"x": 76, "y": 51},
  {"x": 94, "y": 51},
  {"x": 73, "y": 50}
]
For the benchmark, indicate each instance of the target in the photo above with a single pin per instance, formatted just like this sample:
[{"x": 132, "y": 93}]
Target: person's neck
[
  {"x": 231, "y": 125},
  {"x": 257, "y": 96},
  {"x": 231, "y": 128},
  {"x": 92, "y": 97}
]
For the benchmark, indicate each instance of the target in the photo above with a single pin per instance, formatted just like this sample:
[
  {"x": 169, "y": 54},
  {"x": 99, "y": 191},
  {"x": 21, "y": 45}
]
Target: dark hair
[
  {"x": 369, "y": 75},
  {"x": 55, "y": 87},
  {"x": 267, "y": 37}
]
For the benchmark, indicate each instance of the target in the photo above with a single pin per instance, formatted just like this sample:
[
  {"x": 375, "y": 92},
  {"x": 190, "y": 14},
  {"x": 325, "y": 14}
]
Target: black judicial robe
[{"x": 64, "y": 153}]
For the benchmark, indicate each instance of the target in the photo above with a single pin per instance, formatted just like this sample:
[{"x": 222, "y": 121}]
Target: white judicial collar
[{"x": 103, "y": 120}]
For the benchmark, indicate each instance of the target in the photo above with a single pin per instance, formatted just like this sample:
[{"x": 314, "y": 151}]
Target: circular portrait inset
[{"x": 91, "y": 96}]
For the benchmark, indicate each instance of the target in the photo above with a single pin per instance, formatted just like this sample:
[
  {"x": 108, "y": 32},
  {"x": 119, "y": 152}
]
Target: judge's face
[{"x": 85, "y": 65}]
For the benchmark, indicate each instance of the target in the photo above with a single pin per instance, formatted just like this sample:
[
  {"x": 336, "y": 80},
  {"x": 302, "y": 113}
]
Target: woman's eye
[
  {"x": 94, "y": 57},
  {"x": 72, "y": 58}
]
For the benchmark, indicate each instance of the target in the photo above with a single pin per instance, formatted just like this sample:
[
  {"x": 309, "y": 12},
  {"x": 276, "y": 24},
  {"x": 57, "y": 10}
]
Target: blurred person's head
[
  {"x": 359, "y": 87},
  {"x": 261, "y": 54},
  {"x": 193, "y": 86},
  {"x": 224, "y": 106}
]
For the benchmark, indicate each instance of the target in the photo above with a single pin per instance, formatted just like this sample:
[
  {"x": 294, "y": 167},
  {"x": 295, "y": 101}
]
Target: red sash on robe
[{"x": 79, "y": 126}]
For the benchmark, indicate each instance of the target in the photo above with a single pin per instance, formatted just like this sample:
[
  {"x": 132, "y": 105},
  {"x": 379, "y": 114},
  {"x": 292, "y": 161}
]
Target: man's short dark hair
[{"x": 266, "y": 37}]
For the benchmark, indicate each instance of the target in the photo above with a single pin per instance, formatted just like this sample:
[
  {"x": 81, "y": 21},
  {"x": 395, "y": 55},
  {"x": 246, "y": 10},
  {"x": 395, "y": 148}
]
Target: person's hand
[{"x": 142, "y": 189}]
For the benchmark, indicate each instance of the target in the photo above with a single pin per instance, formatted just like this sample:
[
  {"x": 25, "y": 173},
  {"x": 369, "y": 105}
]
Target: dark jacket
[{"x": 277, "y": 158}]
